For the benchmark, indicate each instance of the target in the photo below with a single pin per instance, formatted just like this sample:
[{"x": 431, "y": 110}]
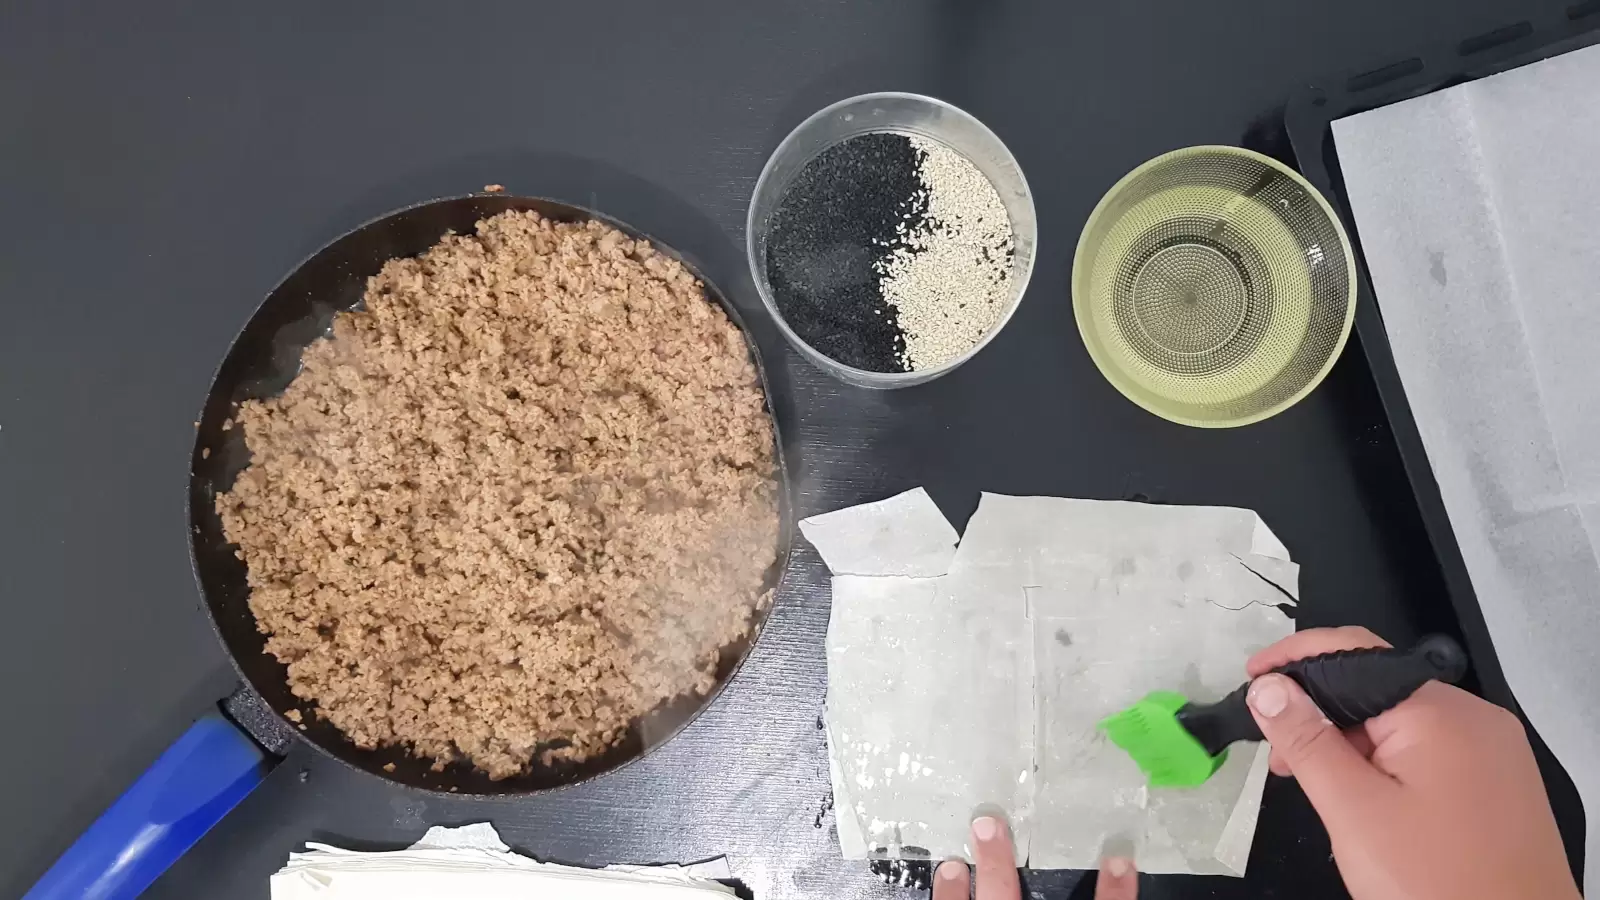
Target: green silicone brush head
[{"x": 1150, "y": 733}]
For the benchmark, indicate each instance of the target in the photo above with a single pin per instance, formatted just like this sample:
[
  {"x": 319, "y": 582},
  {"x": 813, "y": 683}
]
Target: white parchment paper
[
  {"x": 930, "y": 713},
  {"x": 1477, "y": 209},
  {"x": 473, "y": 862},
  {"x": 902, "y": 535}
]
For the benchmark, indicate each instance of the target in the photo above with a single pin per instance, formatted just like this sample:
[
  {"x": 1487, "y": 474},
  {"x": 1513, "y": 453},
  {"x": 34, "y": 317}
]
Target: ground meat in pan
[{"x": 524, "y": 496}]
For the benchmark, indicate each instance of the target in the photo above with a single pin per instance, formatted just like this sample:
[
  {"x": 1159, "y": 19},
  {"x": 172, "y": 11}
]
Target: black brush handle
[{"x": 1349, "y": 686}]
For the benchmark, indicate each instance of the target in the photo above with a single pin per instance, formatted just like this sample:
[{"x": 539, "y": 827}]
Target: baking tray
[{"x": 1308, "y": 119}]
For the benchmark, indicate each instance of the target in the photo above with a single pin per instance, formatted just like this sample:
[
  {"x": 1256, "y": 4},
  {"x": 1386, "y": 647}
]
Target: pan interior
[{"x": 263, "y": 360}]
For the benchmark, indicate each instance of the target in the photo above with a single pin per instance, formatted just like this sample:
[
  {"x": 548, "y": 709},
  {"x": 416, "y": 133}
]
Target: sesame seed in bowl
[{"x": 892, "y": 237}]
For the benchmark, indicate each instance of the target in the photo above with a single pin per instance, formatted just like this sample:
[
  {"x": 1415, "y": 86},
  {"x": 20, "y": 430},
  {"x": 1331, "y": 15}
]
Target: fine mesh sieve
[{"x": 1213, "y": 286}]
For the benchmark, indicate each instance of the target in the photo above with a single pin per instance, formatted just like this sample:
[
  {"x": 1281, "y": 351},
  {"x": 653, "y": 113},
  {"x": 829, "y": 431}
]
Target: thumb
[{"x": 1338, "y": 780}]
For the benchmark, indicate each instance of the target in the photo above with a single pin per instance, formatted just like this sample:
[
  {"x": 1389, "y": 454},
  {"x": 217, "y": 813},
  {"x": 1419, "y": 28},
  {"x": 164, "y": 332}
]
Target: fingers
[
  {"x": 1117, "y": 880},
  {"x": 997, "y": 870},
  {"x": 1357, "y": 737},
  {"x": 1313, "y": 642},
  {"x": 1432, "y": 725},
  {"x": 995, "y": 861},
  {"x": 1338, "y": 780},
  {"x": 951, "y": 881},
  {"x": 1360, "y": 740}
]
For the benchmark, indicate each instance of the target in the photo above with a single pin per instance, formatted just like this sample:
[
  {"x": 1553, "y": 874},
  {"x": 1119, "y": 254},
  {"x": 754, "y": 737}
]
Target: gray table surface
[{"x": 163, "y": 165}]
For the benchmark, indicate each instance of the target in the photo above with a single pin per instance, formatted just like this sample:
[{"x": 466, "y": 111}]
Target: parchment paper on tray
[
  {"x": 980, "y": 687},
  {"x": 1478, "y": 208}
]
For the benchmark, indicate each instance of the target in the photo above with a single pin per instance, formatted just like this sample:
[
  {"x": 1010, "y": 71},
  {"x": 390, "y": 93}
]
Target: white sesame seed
[{"x": 951, "y": 281}]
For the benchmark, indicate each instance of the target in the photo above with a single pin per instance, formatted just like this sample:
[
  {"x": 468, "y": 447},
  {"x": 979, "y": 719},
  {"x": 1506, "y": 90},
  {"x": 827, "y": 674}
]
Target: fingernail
[
  {"x": 984, "y": 828},
  {"x": 950, "y": 870},
  {"x": 1118, "y": 867},
  {"x": 1268, "y": 696}
]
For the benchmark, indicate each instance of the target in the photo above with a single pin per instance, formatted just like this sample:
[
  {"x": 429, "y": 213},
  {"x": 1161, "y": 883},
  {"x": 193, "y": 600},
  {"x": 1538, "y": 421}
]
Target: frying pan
[{"x": 224, "y": 755}]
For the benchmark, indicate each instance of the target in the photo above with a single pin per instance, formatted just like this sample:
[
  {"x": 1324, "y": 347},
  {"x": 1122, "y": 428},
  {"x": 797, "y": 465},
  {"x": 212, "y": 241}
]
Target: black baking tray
[{"x": 1308, "y": 119}]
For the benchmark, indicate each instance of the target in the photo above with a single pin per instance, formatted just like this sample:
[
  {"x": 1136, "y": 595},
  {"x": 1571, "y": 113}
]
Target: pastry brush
[{"x": 1181, "y": 744}]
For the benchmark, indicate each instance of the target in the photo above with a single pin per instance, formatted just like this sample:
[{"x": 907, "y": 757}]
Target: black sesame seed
[{"x": 848, "y": 208}]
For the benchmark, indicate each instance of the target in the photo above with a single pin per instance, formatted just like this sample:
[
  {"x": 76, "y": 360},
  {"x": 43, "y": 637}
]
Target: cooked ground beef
[{"x": 522, "y": 497}]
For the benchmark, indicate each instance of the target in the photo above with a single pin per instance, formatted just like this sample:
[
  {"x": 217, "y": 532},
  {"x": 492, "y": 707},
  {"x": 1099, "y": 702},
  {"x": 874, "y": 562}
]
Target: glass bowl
[{"x": 898, "y": 113}]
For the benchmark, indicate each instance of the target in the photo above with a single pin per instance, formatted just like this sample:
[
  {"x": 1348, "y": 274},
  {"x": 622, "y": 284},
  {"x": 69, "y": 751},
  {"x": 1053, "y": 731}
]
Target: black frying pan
[{"x": 215, "y": 764}]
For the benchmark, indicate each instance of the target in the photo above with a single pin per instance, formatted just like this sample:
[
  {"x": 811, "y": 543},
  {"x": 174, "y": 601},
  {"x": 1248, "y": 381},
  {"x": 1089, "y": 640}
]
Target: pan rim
[{"x": 761, "y": 612}]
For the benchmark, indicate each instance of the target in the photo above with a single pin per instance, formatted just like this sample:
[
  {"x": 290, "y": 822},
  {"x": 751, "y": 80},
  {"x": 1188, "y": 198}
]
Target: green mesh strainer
[{"x": 1213, "y": 286}]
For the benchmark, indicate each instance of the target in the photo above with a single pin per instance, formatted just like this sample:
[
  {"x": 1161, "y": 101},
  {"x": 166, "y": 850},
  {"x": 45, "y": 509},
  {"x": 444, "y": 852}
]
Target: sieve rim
[{"x": 1114, "y": 373}]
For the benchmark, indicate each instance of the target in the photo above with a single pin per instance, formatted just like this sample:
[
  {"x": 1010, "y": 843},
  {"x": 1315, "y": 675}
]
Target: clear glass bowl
[{"x": 910, "y": 114}]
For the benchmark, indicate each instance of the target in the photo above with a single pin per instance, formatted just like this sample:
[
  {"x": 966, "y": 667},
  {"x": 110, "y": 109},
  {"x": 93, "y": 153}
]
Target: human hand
[
  {"x": 1436, "y": 799},
  {"x": 997, "y": 870}
]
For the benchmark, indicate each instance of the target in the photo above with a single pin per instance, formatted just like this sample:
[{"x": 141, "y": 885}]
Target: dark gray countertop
[{"x": 163, "y": 165}]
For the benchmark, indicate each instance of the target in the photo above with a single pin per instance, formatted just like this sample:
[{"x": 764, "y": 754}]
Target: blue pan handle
[{"x": 185, "y": 792}]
